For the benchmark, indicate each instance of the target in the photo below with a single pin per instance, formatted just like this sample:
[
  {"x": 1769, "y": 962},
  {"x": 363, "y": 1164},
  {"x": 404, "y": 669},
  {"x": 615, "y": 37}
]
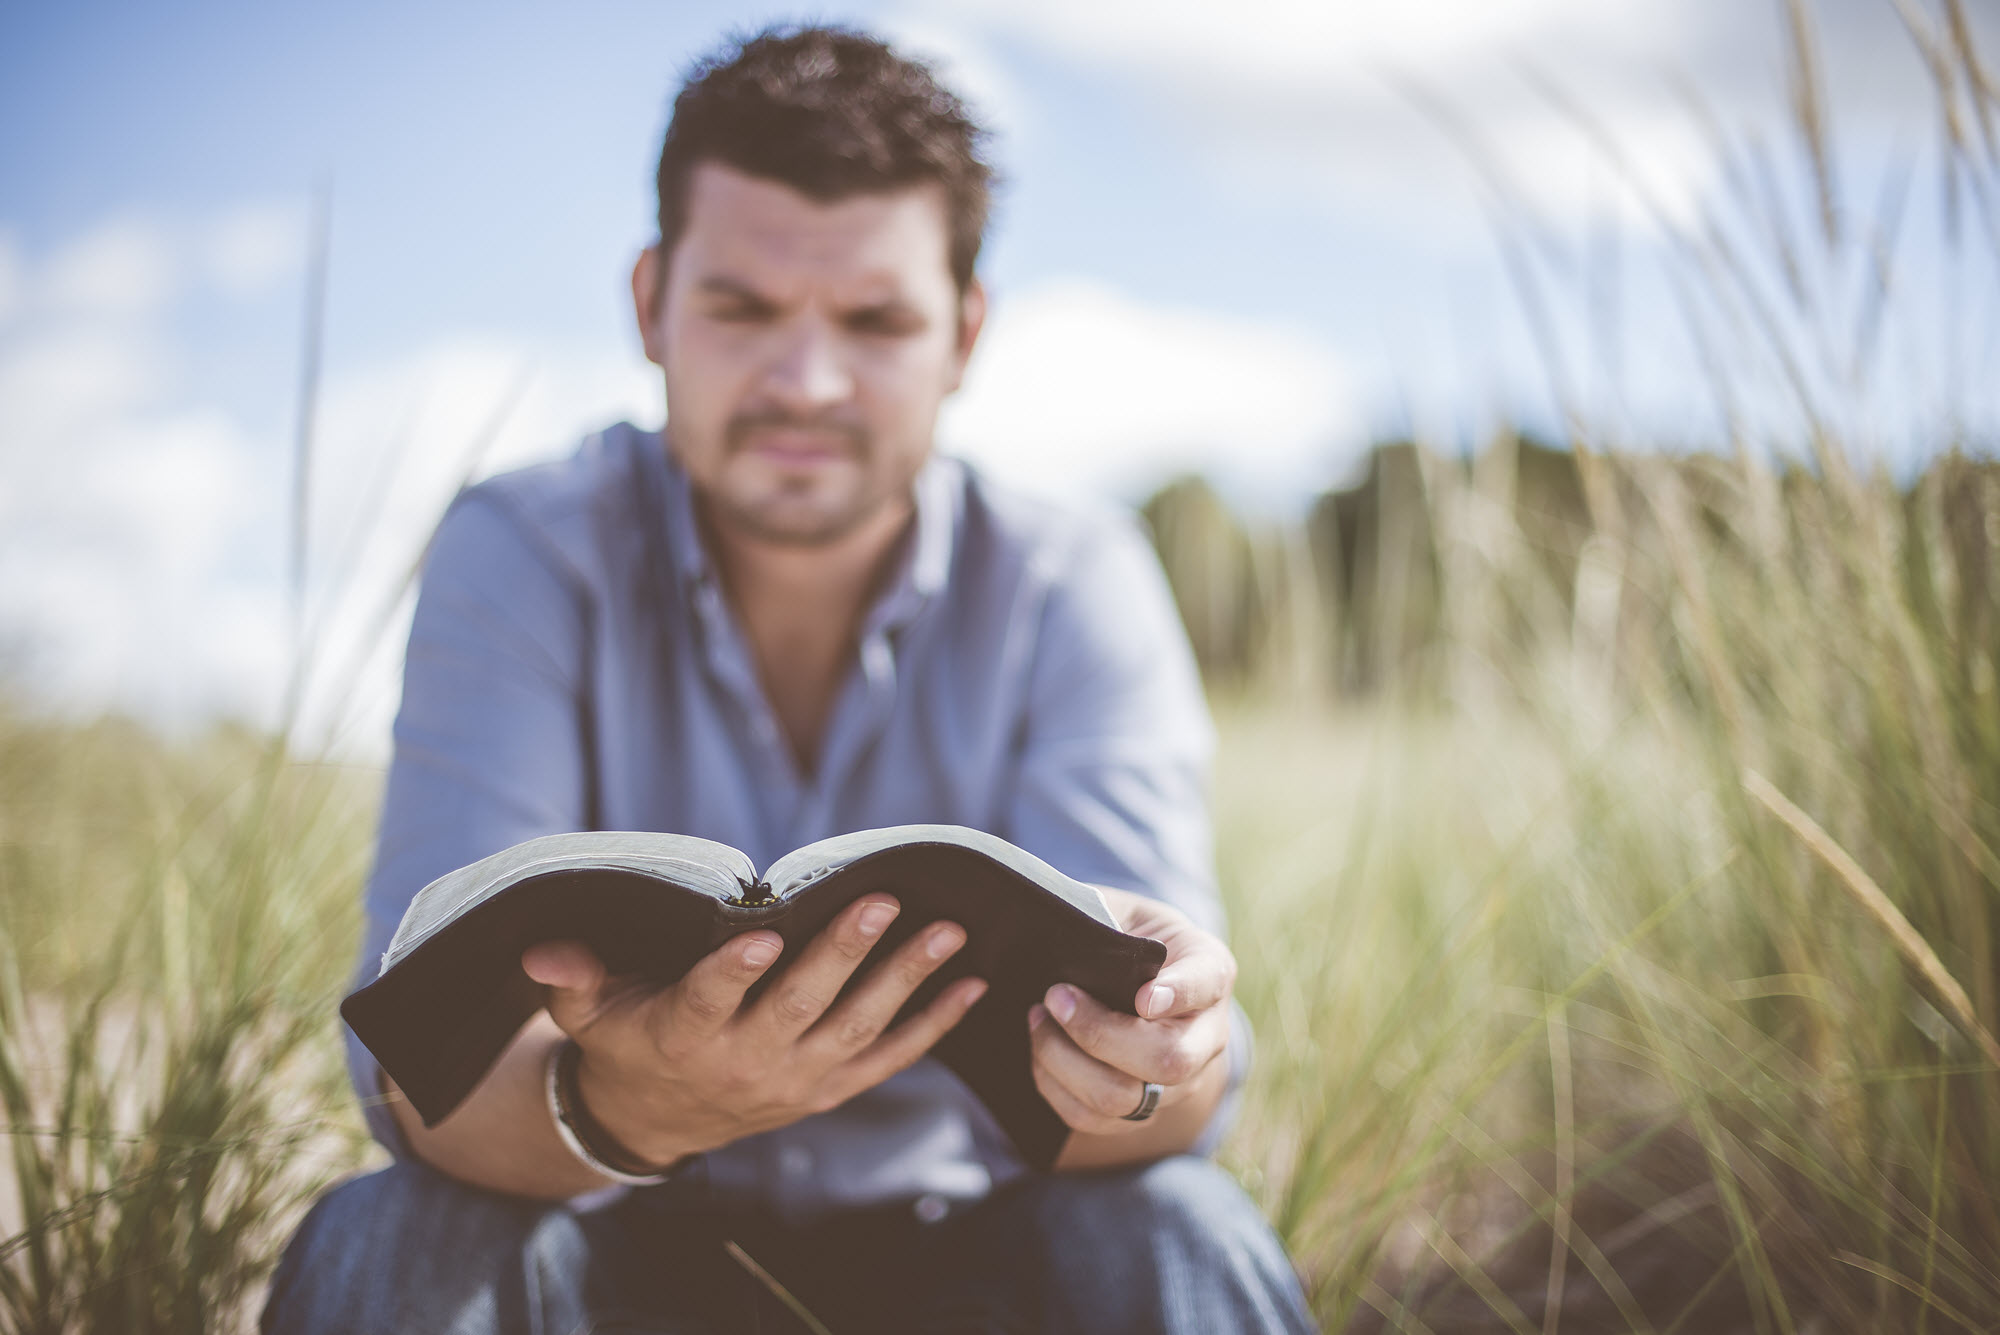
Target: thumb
[{"x": 575, "y": 979}]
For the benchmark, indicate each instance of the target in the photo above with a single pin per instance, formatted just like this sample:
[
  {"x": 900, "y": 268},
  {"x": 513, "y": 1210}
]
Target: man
[{"x": 786, "y": 620}]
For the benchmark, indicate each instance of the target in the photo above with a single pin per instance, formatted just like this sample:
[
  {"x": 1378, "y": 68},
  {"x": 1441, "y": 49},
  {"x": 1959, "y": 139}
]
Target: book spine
[{"x": 753, "y": 894}]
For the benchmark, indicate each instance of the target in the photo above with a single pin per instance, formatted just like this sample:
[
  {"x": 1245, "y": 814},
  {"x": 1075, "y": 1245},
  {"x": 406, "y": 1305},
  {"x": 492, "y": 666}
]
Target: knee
[
  {"x": 405, "y": 1213},
  {"x": 1184, "y": 1197},
  {"x": 1192, "y": 1249},
  {"x": 379, "y": 1248}
]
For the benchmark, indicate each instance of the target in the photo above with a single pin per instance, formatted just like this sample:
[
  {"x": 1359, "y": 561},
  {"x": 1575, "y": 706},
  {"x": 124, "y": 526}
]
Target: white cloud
[
  {"x": 1078, "y": 387},
  {"x": 55, "y": 381},
  {"x": 169, "y": 491},
  {"x": 13, "y": 282},
  {"x": 1561, "y": 170},
  {"x": 1311, "y": 101},
  {"x": 112, "y": 553},
  {"x": 249, "y": 249},
  {"x": 966, "y": 66},
  {"x": 144, "y": 546},
  {"x": 1314, "y": 100},
  {"x": 396, "y": 439},
  {"x": 1310, "y": 43},
  {"x": 143, "y": 539},
  {"x": 123, "y": 268},
  {"x": 143, "y": 528},
  {"x": 123, "y": 508}
]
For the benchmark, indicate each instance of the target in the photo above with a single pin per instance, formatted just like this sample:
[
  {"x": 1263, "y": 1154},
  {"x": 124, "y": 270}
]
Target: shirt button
[
  {"x": 930, "y": 1208},
  {"x": 795, "y": 1161}
]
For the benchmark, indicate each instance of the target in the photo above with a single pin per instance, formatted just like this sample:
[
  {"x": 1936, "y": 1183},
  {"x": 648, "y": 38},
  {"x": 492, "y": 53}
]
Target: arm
[
  {"x": 502, "y": 1138},
  {"x": 490, "y": 750},
  {"x": 1091, "y": 1062},
  {"x": 1113, "y": 789},
  {"x": 686, "y": 1069}
]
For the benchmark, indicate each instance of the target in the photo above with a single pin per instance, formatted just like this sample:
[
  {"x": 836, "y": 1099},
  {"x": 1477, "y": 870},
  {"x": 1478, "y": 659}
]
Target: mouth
[
  {"x": 796, "y": 447},
  {"x": 791, "y": 448}
]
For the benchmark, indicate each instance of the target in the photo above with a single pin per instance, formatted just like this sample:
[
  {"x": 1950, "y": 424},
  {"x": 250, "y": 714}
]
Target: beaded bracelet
[{"x": 593, "y": 1146}]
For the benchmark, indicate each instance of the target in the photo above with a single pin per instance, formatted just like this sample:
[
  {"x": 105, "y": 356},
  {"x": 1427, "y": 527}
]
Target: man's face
[{"x": 807, "y": 348}]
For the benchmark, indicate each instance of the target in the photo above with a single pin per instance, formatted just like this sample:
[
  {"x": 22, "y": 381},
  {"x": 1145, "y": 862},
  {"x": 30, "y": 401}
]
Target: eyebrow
[
  {"x": 734, "y": 289},
  {"x": 720, "y": 285}
]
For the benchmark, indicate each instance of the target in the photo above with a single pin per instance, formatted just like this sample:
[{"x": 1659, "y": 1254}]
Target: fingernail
[
  {"x": 1159, "y": 1001},
  {"x": 875, "y": 919},
  {"x": 942, "y": 943},
  {"x": 548, "y": 966},
  {"x": 1062, "y": 1001},
  {"x": 1038, "y": 1015},
  {"x": 759, "y": 953},
  {"x": 974, "y": 990}
]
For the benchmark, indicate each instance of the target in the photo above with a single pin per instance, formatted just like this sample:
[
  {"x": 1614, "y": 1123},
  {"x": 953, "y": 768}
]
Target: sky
[{"x": 1244, "y": 240}]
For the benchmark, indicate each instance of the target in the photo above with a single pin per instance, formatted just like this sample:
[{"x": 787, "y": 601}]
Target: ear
[
  {"x": 971, "y": 319},
  {"x": 648, "y": 297}
]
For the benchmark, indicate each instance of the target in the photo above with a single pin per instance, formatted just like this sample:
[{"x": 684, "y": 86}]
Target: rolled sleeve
[
  {"x": 1115, "y": 758},
  {"x": 488, "y": 747},
  {"x": 1115, "y": 752}
]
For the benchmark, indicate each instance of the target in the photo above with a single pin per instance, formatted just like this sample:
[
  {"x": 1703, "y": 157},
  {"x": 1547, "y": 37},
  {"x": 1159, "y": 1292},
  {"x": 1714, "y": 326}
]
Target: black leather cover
[{"x": 440, "y": 1017}]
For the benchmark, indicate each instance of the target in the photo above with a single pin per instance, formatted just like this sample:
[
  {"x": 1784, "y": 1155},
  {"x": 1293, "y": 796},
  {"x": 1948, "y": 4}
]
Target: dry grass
[
  {"x": 177, "y": 924},
  {"x": 1561, "y": 1025}
]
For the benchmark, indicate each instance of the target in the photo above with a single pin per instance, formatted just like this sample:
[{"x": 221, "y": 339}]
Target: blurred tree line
[{"x": 1389, "y": 583}]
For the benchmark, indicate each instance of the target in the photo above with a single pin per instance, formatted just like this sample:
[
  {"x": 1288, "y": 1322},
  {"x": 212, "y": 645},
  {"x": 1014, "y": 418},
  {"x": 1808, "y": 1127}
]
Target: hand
[
  {"x": 1092, "y": 1063},
  {"x": 676, "y": 1071}
]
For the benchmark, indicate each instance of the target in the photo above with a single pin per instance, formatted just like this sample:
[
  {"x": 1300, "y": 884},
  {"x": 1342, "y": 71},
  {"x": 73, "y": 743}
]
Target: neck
[{"x": 800, "y": 607}]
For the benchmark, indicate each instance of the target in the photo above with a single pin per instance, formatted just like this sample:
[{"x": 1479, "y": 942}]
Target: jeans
[{"x": 1175, "y": 1246}]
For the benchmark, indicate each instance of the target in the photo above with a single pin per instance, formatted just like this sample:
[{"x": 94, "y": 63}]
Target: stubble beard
[{"x": 785, "y": 513}]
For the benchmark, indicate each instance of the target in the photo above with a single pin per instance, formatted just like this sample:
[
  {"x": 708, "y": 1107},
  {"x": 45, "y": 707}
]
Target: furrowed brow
[{"x": 721, "y": 285}]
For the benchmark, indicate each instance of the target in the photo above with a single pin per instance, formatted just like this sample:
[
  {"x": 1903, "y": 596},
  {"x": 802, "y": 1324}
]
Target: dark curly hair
[{"x": 831, "y": 112}]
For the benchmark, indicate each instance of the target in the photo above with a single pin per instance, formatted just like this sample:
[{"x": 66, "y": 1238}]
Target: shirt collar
[{"x": 922, "y": 569}]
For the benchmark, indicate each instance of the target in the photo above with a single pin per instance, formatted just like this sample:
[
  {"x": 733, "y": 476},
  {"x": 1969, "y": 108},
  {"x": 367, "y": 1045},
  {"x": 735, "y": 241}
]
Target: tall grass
[
  {"x": 1653, "y": 862},
  {"x": 1574, "y": 1000},
  {"x": 175, "y": 925},
  {"x": 1612, "y": 842}
]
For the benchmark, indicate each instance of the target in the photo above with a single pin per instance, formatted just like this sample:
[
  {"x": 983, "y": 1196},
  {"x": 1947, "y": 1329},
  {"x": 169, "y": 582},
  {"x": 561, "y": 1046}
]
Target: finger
[
  {"x": 1098, "y": 1113},
  {"x": 911, "y": 1039},
  {"x": 1167, "y": 1052},
  {"x": 710, "y": 994},
  {"x": 861, "y": 1017},
  {"x": 575, "y": 980},
  {"x": 564, "y": 964},
  {"x": 1075, "y": 1115},
  {"x": 1103, "y": 1089},
  {"x": 1199, "y": 974},
  {"x": 798, "y": 998}
]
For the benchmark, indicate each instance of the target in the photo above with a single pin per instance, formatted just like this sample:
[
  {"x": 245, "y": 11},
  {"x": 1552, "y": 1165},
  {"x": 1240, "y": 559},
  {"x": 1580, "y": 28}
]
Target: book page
[
  {"x": 702, "y": 865},
  {"x": 800, "y": 868}
]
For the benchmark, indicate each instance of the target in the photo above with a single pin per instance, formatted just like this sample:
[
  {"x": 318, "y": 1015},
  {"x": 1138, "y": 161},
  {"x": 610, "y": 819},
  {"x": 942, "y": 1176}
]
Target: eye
[
  {"x": 740, "y": 312},
  {"x": 892, "y": 321}
]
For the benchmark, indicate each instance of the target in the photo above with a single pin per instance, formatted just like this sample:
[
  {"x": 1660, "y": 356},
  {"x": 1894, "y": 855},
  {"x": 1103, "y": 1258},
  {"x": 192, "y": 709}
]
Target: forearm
[
  {"x": 670, "y": 1072},
  {"x": 503, "y": 1138},
  {"x": 1172, "y": 1130}
]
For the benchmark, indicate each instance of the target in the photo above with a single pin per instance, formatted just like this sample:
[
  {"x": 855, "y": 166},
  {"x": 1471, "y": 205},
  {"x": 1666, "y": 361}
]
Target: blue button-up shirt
[{"x": 573, "y": 665}]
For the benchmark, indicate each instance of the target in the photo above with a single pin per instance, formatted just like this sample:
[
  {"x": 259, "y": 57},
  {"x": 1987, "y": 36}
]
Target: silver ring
[{"x": 1149, "y": 1099}]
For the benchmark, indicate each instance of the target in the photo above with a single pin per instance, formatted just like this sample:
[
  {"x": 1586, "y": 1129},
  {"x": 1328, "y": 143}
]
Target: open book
[{"x": 452, "y": 993}]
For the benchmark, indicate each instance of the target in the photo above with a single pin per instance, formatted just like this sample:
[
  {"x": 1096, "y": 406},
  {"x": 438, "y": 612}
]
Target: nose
[{"x": 809, "y": 371}]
